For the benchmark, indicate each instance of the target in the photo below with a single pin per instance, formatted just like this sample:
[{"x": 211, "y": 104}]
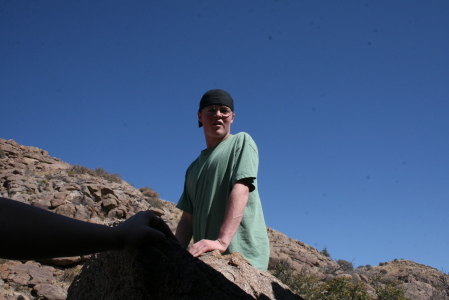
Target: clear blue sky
[{"x": 348, "y": 102}]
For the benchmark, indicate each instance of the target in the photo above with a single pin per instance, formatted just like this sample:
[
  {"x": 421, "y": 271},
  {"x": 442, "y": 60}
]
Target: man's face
[{"x": 217, "y": 120}]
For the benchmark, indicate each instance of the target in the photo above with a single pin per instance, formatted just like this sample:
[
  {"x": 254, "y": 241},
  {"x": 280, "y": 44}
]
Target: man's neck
[{"x": 210, "y": 143}]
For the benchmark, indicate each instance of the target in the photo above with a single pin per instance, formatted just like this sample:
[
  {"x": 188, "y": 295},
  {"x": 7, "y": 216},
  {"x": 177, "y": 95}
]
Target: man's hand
[
  {"x": 142, "y": 229},
  {"x": 204, "y": 246}
]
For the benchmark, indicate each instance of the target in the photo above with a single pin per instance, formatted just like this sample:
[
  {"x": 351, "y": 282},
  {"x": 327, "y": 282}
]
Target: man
[
  {"x": 220, "y": 202},
  {"x": 51, "y": 235}
]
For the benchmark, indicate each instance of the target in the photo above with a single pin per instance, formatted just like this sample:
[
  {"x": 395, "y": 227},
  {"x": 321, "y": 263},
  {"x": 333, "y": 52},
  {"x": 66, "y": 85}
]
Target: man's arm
[
  {"x": 238, "y": 198},
  {"x": 34, "y": 233},
  {"x": 184, "y": 231}
]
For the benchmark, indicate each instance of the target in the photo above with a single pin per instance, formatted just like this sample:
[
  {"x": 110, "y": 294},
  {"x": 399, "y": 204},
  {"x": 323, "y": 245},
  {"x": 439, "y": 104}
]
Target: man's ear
[{"x": 199, "y": 117}]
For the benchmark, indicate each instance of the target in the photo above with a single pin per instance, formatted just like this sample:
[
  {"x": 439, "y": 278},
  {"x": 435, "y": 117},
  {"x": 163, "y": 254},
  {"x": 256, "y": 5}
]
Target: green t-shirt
[{"x": 208, "y": 183}]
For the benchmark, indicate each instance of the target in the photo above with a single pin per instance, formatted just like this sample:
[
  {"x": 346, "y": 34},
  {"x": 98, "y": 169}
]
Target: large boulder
[{"x": 167, "y": 271}]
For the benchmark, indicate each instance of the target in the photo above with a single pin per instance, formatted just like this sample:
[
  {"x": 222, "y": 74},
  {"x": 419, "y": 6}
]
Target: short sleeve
[
  {"x": 246, "y": 161},
  {"x": 184, "y": 202}
]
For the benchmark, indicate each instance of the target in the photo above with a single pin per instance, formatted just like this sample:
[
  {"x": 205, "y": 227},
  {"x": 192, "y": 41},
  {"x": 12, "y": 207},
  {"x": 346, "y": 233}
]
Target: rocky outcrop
[
  {"x": 300, "y": 256},
  {"x": 419, "y": 281},
  {"x": 166, "y": 271},
  {"x": 31, "y": 279},
  {"x": 32, "y": 176}
]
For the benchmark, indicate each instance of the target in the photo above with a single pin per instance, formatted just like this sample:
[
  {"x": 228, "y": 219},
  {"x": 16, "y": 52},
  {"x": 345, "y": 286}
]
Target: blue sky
[{"x": 348, "y": 102}]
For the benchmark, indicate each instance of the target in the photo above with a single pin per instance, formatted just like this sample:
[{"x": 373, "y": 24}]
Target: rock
[
  {"x": 67, "y": 210},
  {"x": 50, "y": 292},
  {"x": 82, "y": 213},
  {"x": 30, "y": 175},
  {"x": 167, "y": 271},
  {"x": 21, "y": 278},
  {"x": 37, "y": 274},
  {"x": 110, "y": 202},
  {"x": 302, "y": 257},
  {"x": 66, "y": 261}
]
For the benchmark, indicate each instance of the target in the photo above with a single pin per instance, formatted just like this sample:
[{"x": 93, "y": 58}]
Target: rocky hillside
[{"x": 30, "y": 175}]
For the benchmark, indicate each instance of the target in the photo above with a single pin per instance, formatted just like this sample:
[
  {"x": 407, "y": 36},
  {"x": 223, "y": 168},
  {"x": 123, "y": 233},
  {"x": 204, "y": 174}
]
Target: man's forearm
[
  {"x": 235, "y": 208},
  {"x": 184, "y": 231}
]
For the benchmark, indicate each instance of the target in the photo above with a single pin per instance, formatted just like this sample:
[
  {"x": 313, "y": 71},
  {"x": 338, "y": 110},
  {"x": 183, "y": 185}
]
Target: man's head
[
  {"x": 216, "y": 97},
  {"x": 215, "y": 115}
]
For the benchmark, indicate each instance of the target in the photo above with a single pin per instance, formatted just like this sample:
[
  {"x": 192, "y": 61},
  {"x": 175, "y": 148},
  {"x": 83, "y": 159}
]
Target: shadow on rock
[{"x": 167, "y": 271}]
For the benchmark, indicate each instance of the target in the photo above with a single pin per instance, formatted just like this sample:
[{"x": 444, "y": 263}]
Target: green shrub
[
  {"x": 341, "y": 288},
  {"x": 345, "y": 288},
  {"x": 325, "y": 252},
  {"x": 387, "y": 289},
  {"x": 308, "y": 286},
  {"x": 284, "y": 272},
  {"x": 390, "y": 292},
  {"x": 312, "y": 288},
  {"x": 305, "y": 285}
]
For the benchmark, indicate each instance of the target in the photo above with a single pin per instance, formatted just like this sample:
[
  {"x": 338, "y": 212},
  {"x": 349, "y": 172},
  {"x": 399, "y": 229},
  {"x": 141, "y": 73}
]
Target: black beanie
[{"x": 216, "y": 97}]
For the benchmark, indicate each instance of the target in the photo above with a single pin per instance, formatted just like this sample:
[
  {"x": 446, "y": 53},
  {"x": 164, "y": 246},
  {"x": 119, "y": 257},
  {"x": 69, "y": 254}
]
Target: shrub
[
  {"x": 345, "y": 265},
  {"x": 2, "y": 154},
  {"x": 325, "y": 252},
  {"x": 387, "y": 289},
  {"x": 152, "y": 197},
  {"x": 98, "y": 172},
  {"x": 308, "y": 286},
  {"x": 344, "y": 288},
  {"x": 70, "y": 273},
  {"x": 284, "y": 272},
  {"x": 305, "y": 285},
  {"x": 390, "y": 292},
  {"x": 149, "y": 192},
  {"x": 312, "y": 288}
]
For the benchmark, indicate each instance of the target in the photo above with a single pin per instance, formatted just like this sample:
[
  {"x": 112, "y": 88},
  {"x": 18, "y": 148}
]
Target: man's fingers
[
  {"x": 198, "y": 250},
  {"x": 204, "y": 246}
]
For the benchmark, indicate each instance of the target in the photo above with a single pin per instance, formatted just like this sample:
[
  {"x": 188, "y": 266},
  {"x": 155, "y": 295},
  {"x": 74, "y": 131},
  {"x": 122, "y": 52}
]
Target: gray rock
[
  {"x": 167, "y": 271},
  {"x": 49, "y": 292}
]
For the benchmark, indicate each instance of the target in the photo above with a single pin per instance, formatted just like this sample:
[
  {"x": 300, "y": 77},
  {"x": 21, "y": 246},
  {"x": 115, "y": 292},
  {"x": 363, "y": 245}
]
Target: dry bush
[
  {"x": 345, "y": 265},
  {"x": 98, "y": 172},
  {"x": 152, "y": 197},
  {"x": 149, "y": 192},
  {"x": 70, "y": 273}
]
